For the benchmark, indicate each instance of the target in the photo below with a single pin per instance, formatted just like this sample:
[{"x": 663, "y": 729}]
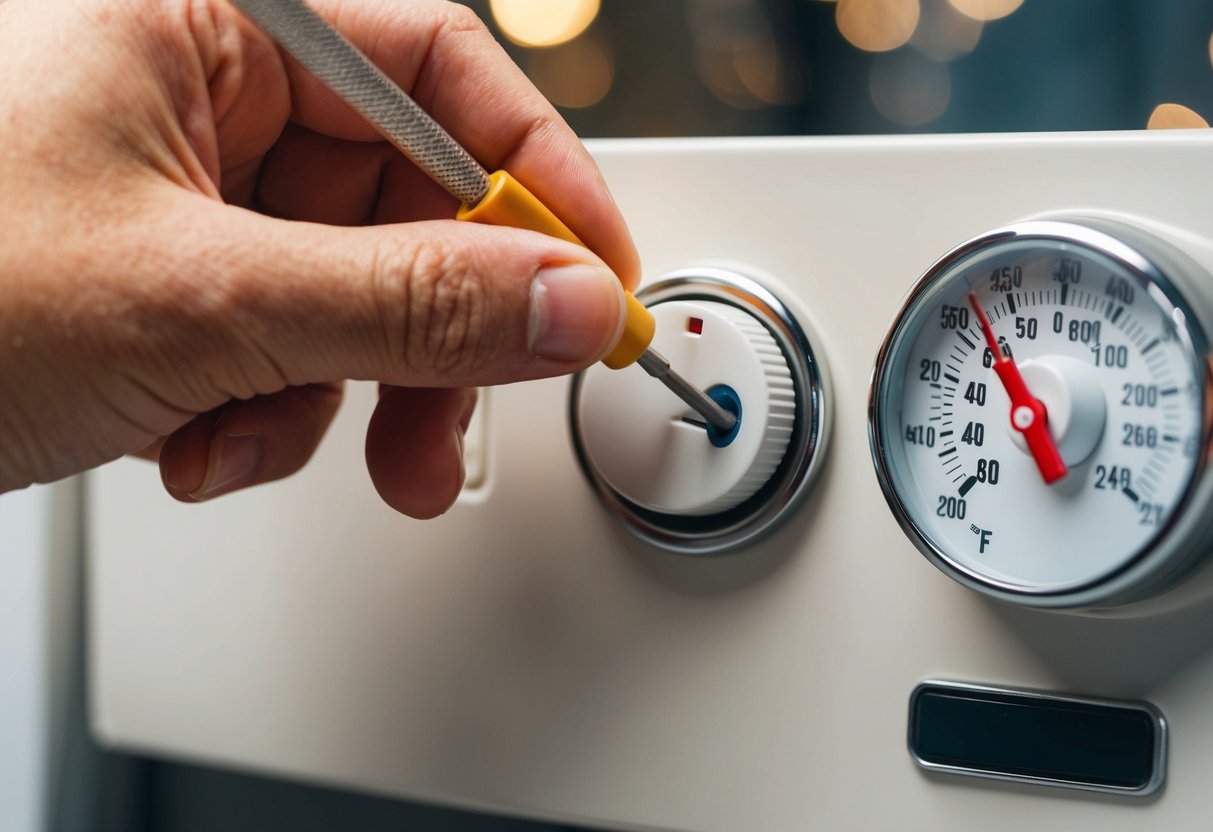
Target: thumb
[{"x": 438, "y": 303}]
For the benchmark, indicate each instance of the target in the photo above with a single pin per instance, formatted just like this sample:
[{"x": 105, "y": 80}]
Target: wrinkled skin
[{"x": 199, "y": 243}]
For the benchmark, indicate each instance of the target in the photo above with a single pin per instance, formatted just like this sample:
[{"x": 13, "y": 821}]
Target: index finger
[{"x": 445, "y": 57}]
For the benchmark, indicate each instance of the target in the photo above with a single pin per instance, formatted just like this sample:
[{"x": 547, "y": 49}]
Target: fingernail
[
  {"x": 232, "y": 463},
  {"x": 577, "y": 312}
]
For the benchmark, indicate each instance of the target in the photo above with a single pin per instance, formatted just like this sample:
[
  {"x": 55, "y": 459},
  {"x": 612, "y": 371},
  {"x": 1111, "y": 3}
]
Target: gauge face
[{"x": 1058, "y": 499}]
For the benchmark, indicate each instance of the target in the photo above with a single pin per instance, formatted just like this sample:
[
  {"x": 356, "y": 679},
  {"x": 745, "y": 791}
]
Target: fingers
[
  {"x": 152, "y": 452},
  {"x": 445, "y": 57},
  {"x": 274, "y": 303},
  {"x": 246, "y": 443},
  {"x": 414, "y": 445},
  {"x": 317, "y": 178},
  {"x": 414, "y": 448}
]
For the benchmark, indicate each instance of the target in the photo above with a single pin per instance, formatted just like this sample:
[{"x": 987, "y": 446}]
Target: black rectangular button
[{"x": 1038, "y": 737}]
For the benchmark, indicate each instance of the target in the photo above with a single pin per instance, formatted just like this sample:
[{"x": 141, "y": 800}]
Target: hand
[{"x": 198, "y": 243}]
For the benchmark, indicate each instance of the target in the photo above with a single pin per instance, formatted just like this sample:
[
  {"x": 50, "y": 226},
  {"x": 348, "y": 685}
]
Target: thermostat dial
[
  {"x": 658, "y": 453},
  {"x": 653, "y": 462}
]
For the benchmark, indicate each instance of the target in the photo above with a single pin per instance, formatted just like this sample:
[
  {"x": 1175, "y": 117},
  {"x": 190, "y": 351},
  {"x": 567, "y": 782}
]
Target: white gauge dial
[{"x": 1100, "y": 339}]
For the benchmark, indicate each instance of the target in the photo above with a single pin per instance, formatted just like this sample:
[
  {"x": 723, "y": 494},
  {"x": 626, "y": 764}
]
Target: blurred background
[
  {"x": 617, "y": 68},
  {"x": 764, "y": 67}
]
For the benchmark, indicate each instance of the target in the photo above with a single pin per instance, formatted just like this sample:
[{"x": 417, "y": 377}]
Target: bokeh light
[
  {"x": 576, "y": 74},
  {"x": 543, "y": 22},
  {"x": 761, "y": 67},
  {"x": 739, "y": 59},
  {"x": 908, "y": 89},
  {"x": 718, "y": 72},
  {"x": 1174, "y": 117},
  {"x": 877, "y": 25},
  {"x": 742, "y": 67},
  {"x": 986, "y": 9},
  {"x": 943, "y": 33}
]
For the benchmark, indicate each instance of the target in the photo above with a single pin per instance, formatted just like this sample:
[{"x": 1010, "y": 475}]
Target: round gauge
[{"x": 1038, "y": 414}]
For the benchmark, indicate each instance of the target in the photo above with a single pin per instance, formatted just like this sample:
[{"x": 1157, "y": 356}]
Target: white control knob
[{"x": 655, "y": 451}]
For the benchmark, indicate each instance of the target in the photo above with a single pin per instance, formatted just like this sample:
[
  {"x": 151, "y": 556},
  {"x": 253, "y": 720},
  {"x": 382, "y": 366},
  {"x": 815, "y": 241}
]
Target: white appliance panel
[{"x": 524, "y": 653}]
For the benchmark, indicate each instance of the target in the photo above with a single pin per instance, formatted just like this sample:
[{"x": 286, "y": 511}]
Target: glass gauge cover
[{"x": 1104, "y": 339}]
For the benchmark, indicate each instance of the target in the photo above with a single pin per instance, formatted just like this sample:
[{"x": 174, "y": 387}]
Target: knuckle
[
  {"x": 435, "y": 310},
  {"x": 460, "y": 18}
]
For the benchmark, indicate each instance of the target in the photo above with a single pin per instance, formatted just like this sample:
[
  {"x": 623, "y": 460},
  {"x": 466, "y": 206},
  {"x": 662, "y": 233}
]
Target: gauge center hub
[{"x": 1074, "y": 401}]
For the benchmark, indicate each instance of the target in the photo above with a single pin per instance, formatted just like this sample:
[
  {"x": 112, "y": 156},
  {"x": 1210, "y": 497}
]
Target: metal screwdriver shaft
[
  {"x": 326, "y": 54},
  {"x": 655, "y": 364}
]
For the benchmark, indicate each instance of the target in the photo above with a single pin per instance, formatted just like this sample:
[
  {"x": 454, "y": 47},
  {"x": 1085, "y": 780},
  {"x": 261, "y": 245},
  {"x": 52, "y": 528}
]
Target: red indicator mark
[
  {"x": 1028, "y": 414},
  {"x": 695, "y": 326}
]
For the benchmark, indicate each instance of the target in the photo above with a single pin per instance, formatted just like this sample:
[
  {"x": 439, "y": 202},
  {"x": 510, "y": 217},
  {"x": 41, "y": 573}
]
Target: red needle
[{"x": 1028, "y": 414}]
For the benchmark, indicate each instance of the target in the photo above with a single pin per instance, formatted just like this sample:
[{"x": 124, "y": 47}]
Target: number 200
[{"x": 953, "y": 507}]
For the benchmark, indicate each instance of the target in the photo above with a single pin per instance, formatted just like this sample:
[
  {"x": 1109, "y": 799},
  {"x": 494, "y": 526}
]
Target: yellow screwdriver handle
[{"x": 509, "y": 203}]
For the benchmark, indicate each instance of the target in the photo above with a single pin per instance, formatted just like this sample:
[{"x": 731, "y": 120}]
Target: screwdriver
[{"x": 495, "y": 199}]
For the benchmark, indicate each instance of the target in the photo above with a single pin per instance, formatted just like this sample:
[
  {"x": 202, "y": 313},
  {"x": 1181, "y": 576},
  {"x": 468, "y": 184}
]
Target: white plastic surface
[
  {"x": 636, "y": 431},
  {"x": 475, "y": 445},
  {"x": 39, "y": 585},
  {"x": 25, "y": 720},
  {"x": 524, "y": 652}
]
